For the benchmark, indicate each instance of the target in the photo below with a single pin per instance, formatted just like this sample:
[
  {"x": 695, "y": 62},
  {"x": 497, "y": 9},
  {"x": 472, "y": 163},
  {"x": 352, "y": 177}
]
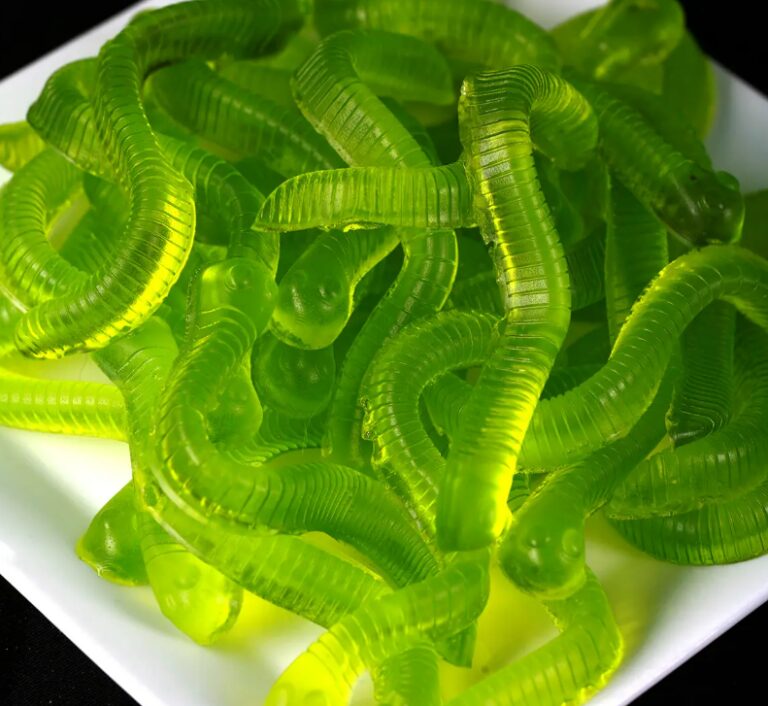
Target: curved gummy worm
[
  {"x": 437, "y": 607},
  {"x": 32, "y": 271},
  {"x": 242, "y": 122},
  {"x": 725, "y": 463},
  {"x": 532, "y": 105},
  {"x": 405, "y": 366},
  {"x": 620, "y": 36},
  {"x": 161, "y": 220},
  {"x": 543, "y": 551},
  {"x": 697, "y": 204},
  {"x": 283, "y": 570},
  {"x": 293, "y": 381},
  {"x": 233, "y": 302},
  {"x": 469, "y": 32},
  {"x": 566, "y": 670},
  {"x": 18, "y": 144},
  {"x": 607, "y": 405},
  {"x": 195, "y": 597}
]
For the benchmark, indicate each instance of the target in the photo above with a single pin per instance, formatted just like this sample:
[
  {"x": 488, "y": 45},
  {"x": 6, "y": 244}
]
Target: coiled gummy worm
[{"x": 162, "y": 212}]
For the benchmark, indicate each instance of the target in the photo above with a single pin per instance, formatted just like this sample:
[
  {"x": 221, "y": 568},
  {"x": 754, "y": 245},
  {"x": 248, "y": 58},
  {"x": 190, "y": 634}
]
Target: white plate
[{"x": 51, "y": 486}]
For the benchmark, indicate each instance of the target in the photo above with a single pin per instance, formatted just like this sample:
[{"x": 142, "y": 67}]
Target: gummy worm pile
[{"x": 417, "y": 275}]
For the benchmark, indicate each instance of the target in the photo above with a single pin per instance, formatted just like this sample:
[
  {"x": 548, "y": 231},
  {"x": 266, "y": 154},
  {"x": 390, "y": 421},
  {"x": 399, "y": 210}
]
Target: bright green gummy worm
[
  {"x": 532, "y": 105},
  {"x": 161, "y": 217}
]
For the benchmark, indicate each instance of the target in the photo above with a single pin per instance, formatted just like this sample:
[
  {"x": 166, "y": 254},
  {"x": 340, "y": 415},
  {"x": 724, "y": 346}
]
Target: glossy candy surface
[{"x": 334, "y": 294}]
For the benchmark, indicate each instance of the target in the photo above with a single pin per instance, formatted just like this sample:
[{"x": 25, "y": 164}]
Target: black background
[{"x": 40, "y": 667}]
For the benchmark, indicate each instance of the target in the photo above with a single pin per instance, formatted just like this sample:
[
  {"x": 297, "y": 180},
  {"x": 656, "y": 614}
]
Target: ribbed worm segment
[
  {"x": 621, "y": 35},
  {"x": 427, "y": 197},
  {"x": 232, "y": 305},
  {"x": 567, "y": 670},
  {"x": 543, "y": 552},
  {"x": 296, "y": 382},
  {"x": 586, "y": 264},
  {"x": 435, "y": 608},
  {"x": 225, "y": 197},
  {"x": 697, "y": 204},
  {"x": 242, "y": 122},
  {"x": 403, "y": 369},
  {"x": 704, "y": 398},
  {"x": 469, "y": 32},
  {"x": 32, "y": 271},
  {"x": 636, "y": 251},
  {"x": 195, "y": 597},
  {"x": 503, "y": 114},
  {"x": 159, "y": 231},
  {"x": 412, "y": 677},
  {"x": 19, "y": 143},
  {"x": 606, "y": 406},
  {"x": 61, "y": 406},
  {"x": 316, "y": 296},
  {"x": 719, "y": 533},
  {"x": 728, "y": 462},
  {"x": 336, "y": 89}
]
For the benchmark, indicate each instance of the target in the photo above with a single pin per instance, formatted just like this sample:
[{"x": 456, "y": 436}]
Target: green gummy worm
[
  {"x": 697, "y": 204},
  {"x": 543, "y": 551},
  {"x": 532, "y": 105},
  {"x": 405, "y": 366},
  {"x": 61, "y": 406},
  {"x": 161, "y": 217},
  {"x": 332, "y": 89},
  {"x": 606, "y": 406},
  {"x": 111, "y": 545}
]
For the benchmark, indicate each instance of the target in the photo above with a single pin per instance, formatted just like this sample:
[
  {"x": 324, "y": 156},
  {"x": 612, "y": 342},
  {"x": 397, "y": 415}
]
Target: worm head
[
  {"x": 240, "y": 284},
  {"x": 543, "y": 551}
]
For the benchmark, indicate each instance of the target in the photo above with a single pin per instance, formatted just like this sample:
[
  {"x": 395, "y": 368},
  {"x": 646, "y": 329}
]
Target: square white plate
[{"x": 51, "y": 486}]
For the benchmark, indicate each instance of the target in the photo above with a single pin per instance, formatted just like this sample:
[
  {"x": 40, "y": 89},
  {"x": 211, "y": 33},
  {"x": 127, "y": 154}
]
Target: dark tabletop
[{"x": 41, "y": 667}]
